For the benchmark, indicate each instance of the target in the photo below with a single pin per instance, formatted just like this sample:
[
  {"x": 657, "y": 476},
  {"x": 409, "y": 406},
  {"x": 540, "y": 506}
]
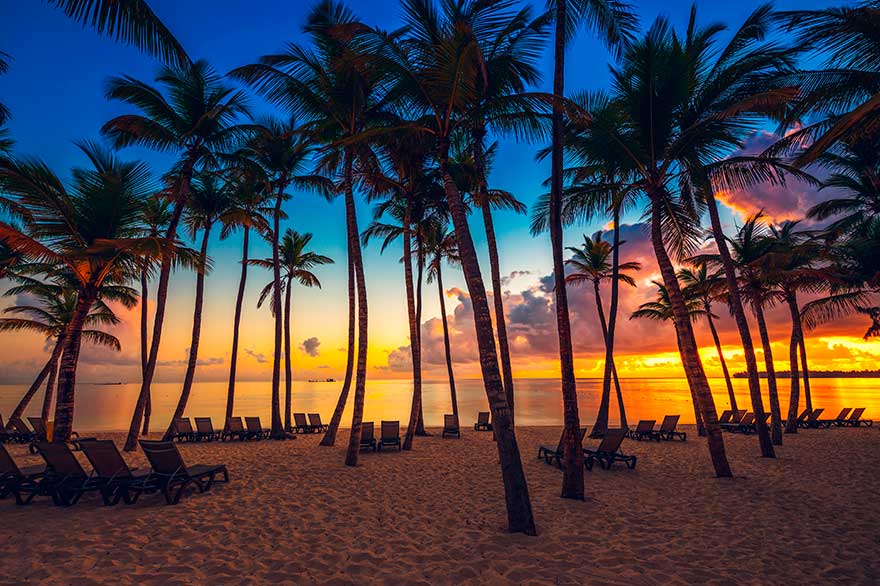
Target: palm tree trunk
[
  {"x": 612, "y": 314},
  {"x": 420, "y": 423},
  {"x": 193, "y": 359},
  {"x": 277, "y": 427},
  {"x": 794, "y": 398},
  {"x": 775, "y": 412},
  {"x": 354, "y": 243},
  {"x": 620, "y": 406},
  {"x": 46, "y": 412},
  {"x": 446, "y": 344},
  {"x": 329, "y": 438},
  {"x": 236, "y": 326},
  {"x": 161, "y": 300},
  {"x": 412, "y": 315},
  {"x": 804, "y": 369},
  {"x": 288, "y": 366},
  {"x": 494, "y": 265},
  {"x": 601, "y": 425},
  {"x": 516, "y": 491},
  {"x": 573, "y": 455},
  {"x": 742, "y": 325},
  {"x": 698, "y": 418},
  {"x": 687, "y": 344},
  {"x": 721, "y": 358},
  {"x": 69, "y": 360},
  {"x": 47, "y": 369},
  {"x": 145, "y": 292}
]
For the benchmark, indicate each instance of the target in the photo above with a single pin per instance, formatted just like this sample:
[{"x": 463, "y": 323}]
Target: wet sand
[{"x": 294, "y": 514}]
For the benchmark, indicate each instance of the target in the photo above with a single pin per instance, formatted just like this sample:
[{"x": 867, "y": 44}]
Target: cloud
[
  {"x": 259, "y": 357},
  {"x": 310, "y": 346}
]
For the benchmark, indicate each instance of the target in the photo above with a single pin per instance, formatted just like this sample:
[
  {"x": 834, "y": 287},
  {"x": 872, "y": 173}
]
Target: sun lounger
[
  {"x": 667, "y": 429},
  {"x": 450, "y": 426},
  {"x": 725, "y": 416},
  {"x": 205, "y": 430},
  {"x": 171, "y": 475},
  {"x": 736, "y": 420},
  {"x": 750, "y": 426},
  {"x": 315, "y": 422},
  {"x": 550, "y": 454},
  {"x": 255, "y": 428},
  {"x": 644, "y": 430},
  {"x": 65, "y": 481},
  {"x": 23, "y": 433},
  {"x": 234, "y": 430},
  {"x": 609, "y": 452},
  {"x": 41, "y": 434},
  {"x": 812, "y": 420},
  {"x": 23, "y": 483},
  {"x": 368, "y": 437},
  {"x": 855, "y": 420},
  {"x": 390, "y": 435},
  {"x": 183, "y": 430},
  {"x": 301, "y": 425},
  {"x": 483, "y": 423},
  {"x": 826, "y": 423},
  {"x": 115, "y": 479}
]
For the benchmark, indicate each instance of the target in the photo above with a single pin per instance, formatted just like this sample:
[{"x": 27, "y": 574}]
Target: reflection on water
[{"x": 538, "y": 401}]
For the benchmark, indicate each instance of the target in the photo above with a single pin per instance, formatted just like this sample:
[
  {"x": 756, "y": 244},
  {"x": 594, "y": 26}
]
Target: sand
[{"x": 294, "y": 514}]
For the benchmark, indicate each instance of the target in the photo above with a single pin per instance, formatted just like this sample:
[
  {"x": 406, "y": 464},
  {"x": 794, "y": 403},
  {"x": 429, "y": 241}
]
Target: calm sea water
[{"x": 538, "y": 401}]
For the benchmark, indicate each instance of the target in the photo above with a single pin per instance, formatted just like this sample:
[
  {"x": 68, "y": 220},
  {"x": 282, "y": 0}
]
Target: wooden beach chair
[
  {"x": 368, "y": 436},
  {"x": 737, "y": 418},
  {"x": 608, "y": 452},
  {"x": 390, "y": 436},
  {"x": 315, "y": 422},
  {"x": 667, "y": 429},
  {"x": 205, "y": 430},
  {"x": 23, "y": 433},
  {"x": 855, "y": 420},
  {"x": 726, "y": 415},
  {"x": 183, "y": 430},
  {"x": 23, "y": 483},
  {"x": 750, "y": 427},
  {"x": 550, "y": 454},
  {"x": 234, "y": 430},
  {"x": 255, "y": 428},
  {"x": 826, "y": 423},
  {"x": 65, "y": 480},
  {"x": 483, "y": 423},
  {"x": 301, "y": 425},
  {"x": 644, "y": 430},
  {"x": 812, "y": 422},
  {"x": 115, "y": 479},
  {"x": 450, "y": 426},
  {"x": 171, "y": 475}
]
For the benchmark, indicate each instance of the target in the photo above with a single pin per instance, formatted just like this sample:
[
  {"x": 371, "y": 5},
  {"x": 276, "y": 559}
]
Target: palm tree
[
  {"x": 208, "y": 201},
  {"x": 194, "y": 119},
  {"x": 5, "y": 142},
  {"x": 441, "y": 247},
  {"x": 337, "y": 88},
  {"x": 590, "y": 263},
  {"x": 156, "y": 216},
  {"x": 92, "y": 228},
  {"x": 661, "y": 310},
  {"x": 297, "y": 264},
  {"x": 435, "y": 68},
  {"x": 247, "y": 210},
  {"x": 49, "y": 315},
  {"x": 704, "y": 284},
  {"x": 613, "y": 22}
]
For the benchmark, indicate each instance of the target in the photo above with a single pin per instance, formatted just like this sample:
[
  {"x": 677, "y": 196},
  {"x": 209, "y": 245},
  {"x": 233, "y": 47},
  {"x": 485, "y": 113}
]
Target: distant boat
[{"x": 327, "y": 380}]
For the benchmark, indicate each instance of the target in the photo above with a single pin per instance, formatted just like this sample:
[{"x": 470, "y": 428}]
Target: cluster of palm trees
[{"x": 402, "y": 117}]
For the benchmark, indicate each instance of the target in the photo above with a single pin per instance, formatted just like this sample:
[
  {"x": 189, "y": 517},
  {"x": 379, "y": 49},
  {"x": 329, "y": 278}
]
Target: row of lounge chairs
[
  {"x": 645, "y": 430},
  {"x": 605, "y": 454},
  {"x": 251, "y": 429},
  {"x": 65, "y": 480},
  {"x": 390, "y": 434},
  {"x": 20, "y": 433},
  {"x": 744, "y": 422}
]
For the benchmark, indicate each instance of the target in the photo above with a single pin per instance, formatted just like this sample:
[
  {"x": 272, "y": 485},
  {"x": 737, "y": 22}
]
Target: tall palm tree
[
  {"x": 661, "y": 310},
  {"x": 49, "y": 314},
  {"x": 247, "y": 210},
  {"x": 704, "y": 284},
  {"x": 157, "y": 214},
  {"x": 435, "y": 68},
  {"x": 208, "y": 201},
  {"x": 92, "y": 228},
  {"x": 590, "y": 263},
  {"x": 282, "y": 151},
  {"x": 297, "y": 264},
  {"x": 337, "y": 88},
  {"x": 194, "y": 119},
  {"x": 614, "y": 23},
  {"x": 442, "y": 247}
]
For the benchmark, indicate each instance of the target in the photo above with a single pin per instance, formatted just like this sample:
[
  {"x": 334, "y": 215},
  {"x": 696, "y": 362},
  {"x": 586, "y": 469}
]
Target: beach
[{"x": 294, "y": 514}]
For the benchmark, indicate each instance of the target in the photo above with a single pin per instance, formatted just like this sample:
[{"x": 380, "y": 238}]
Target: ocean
[{"x": 537, "y": 401}]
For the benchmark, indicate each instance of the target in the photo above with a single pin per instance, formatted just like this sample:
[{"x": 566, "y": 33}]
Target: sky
[{"x": 55, "y": 91}]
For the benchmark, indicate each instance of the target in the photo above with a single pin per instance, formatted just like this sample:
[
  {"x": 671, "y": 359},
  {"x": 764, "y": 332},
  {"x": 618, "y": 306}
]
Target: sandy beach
[{"x": 293, "y": 514}]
